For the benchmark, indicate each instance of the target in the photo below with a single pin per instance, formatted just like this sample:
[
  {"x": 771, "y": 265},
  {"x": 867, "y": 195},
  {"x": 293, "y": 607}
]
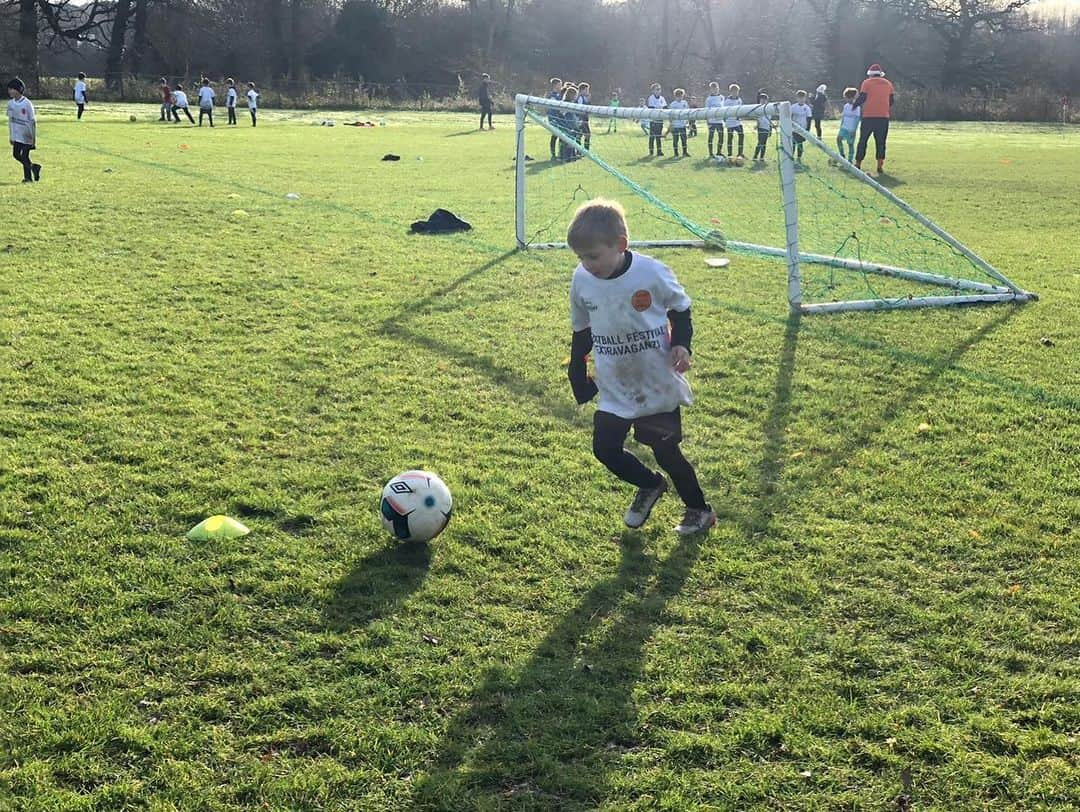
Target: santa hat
[{"x": 875, "y": 70}]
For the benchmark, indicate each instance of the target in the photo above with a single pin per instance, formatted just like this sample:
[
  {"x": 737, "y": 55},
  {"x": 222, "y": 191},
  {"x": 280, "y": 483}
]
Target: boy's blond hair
[
  {"x": 800, "y": 94},
  {"x": 734, "y": 87},
  {"x": 680, "y": 92},
  {"x": 714, "y": 84},
  {"x": 597, "y": 221},
  {"x": 850, "y": 92}
]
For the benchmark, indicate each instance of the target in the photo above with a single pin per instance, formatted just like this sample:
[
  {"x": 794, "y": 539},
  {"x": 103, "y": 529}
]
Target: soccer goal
[{"x": 847, "y": 240}]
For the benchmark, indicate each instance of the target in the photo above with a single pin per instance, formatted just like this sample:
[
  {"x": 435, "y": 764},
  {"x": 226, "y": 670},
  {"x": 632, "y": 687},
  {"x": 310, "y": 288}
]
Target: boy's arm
[
  {"x": 682, "y": 328},
  {"x": 860, "y": 99},
  {"x": 583, "y": 386}
]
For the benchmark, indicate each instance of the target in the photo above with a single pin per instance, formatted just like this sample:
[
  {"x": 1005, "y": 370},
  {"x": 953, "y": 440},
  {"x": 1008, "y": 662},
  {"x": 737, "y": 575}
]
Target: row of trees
[{"x": 941, "y": 44}]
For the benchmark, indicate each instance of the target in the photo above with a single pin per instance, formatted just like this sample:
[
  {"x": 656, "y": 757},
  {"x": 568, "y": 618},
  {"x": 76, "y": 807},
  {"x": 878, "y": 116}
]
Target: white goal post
[{"x": 993, "y": 287}]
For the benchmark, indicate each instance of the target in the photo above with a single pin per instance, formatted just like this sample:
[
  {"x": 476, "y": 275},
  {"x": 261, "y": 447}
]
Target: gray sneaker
[
  {"x": 695, "y": 520},
  {"x": 643, "y": 503}
]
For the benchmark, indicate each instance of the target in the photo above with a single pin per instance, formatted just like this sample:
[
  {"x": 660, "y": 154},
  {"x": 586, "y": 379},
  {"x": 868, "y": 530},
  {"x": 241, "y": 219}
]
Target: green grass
[{"x": 892, "y": 584}]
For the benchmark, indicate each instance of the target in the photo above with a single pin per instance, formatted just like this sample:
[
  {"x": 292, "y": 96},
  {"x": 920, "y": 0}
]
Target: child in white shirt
[
  {"x": 764, "y": 129},
  {"x": 849, "y": 124},
  {"x": 180, "y": 102},
  {"x": 206, "y": 102},
  {"x": 715, "y": 100},
  {"x": 678, "y": 126},
  {"x": 253, "y": 101},
  {"x": 734, "y": 125},
  {"x": 230, "y": 100},
  {"x": 22, "y": 129},
  {"x": 630, "y": 312},
  {"x": 801, "y": 113},
  {"x": 656, "y": 101},
  {"x": 80, "y": 95}
]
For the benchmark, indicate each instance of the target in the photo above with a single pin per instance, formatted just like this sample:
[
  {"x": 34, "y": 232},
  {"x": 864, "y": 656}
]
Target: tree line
[{"x": 927, "y": 46}]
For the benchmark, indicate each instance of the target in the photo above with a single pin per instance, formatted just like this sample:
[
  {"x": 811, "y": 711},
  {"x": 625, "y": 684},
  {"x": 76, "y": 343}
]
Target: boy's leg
[
  {"x": 730, "y": 140},
  {"x": 840, "y": 144},
  {"x": 21, "y": 153},
  {"x": 609, "y": 432},
  {"x": 80, "y": 110},
  {"x": 587, "y": 130},
  {"x": 663, "y": 433},
  {"x": 553, "y": 144},
  {"x": 741, "y": 135},
  {"x": 851, "y": 147},
  {"x": 817, "y": 126},
  {"x": 201, "y": 114},
  {"x": 187, "y": 112}
]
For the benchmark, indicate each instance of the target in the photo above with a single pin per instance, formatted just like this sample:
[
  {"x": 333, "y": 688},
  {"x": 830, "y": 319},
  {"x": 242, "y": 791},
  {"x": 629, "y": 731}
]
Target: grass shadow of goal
[{"x": 771, "y": 496}]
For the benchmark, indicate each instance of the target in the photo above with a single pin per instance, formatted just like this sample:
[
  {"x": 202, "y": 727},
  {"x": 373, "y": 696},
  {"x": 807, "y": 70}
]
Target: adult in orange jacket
[{"x": 876, "y": 95}]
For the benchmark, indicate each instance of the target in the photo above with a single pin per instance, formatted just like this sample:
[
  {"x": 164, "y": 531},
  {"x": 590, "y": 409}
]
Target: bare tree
[{"x": 958, "y": 22}]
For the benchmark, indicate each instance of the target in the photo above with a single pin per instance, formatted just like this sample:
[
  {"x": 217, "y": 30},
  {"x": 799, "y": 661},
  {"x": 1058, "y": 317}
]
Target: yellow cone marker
[{"x": 217, "y": 527}]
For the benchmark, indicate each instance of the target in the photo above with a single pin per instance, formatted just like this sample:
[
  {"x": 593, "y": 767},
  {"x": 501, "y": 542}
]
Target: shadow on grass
[
  {"x": 771, "y": 496},
  {"x": 473, "y": 131},
  {"x": 377, "y": 585},
  {"x": 547, "y": 736}
]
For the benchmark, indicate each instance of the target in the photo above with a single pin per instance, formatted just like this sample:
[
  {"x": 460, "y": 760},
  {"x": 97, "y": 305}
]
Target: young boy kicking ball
[{"x": 631, "y": 313}]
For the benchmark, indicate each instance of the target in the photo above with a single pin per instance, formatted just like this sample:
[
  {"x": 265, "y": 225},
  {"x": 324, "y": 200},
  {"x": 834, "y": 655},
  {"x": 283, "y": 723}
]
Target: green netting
[{"x": 840, "y": 215}]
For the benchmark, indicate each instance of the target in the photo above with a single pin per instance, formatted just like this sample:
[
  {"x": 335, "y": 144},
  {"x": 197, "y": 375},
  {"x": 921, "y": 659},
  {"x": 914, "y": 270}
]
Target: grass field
[{"x": 892, "y": 585}]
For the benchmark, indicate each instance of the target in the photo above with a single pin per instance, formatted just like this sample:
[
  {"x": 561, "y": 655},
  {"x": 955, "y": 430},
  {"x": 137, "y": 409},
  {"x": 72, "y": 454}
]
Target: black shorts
[
  {"x": 798, "y": 139},
  {"x": 650, "y": 430},
  {"x": 485, "y": 107},
  {"x": 656, "y": 129}
]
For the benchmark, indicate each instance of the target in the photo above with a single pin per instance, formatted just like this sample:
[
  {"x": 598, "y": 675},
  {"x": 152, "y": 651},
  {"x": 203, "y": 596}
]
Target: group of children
[
  {"x": 573, "y": 124},
  {"x": 174, "y": 100},
  {"x": 807, "y": 109}
]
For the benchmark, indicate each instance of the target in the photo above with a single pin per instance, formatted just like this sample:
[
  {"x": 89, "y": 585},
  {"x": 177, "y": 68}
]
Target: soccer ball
[
  {"x": 739, "y": 160},
  {"x": 131, "y": 117},
  {"x": 416, "y": 506}
]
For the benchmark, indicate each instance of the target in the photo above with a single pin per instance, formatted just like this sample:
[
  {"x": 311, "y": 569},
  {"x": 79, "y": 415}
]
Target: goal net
[{"x": 847, "y": 241}]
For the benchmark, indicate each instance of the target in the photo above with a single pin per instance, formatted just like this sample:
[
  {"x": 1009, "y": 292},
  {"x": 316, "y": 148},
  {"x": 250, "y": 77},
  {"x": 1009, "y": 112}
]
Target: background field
[{"x": 892, "y": 584}]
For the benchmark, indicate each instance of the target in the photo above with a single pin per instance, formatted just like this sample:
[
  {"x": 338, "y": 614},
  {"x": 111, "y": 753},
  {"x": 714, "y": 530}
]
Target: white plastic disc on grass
[
  {"x": 292, "y": 196},
  {"x": 717, "y": 262}
]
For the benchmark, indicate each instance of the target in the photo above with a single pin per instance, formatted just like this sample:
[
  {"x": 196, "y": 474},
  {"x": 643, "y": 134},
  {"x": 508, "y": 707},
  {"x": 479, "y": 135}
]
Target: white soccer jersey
[
  {"x": 206, "y": 96},
  {"x": 230, "y": 97},
  {"x": 800, "y": 114},
  {"x": 80, "y": 92},
  {"x": 631, "y": 336},
  {"x": 764, "y": 123},
  {"x": 849, "y": 119},
  {"x": 179, "y": 98},
  {"x": 253, "y": 99},
  {"x": 677, "y": 124},
  {"x": 656, "y": 102},
  {"x": 732, "y": 101},
  {"x": 717, "y": 102},
  {"x": 22, "y": 123}
]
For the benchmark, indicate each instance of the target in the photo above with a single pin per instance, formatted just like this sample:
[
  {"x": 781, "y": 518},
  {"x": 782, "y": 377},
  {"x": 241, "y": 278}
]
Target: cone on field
[{"x": 217, "y": 527}]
